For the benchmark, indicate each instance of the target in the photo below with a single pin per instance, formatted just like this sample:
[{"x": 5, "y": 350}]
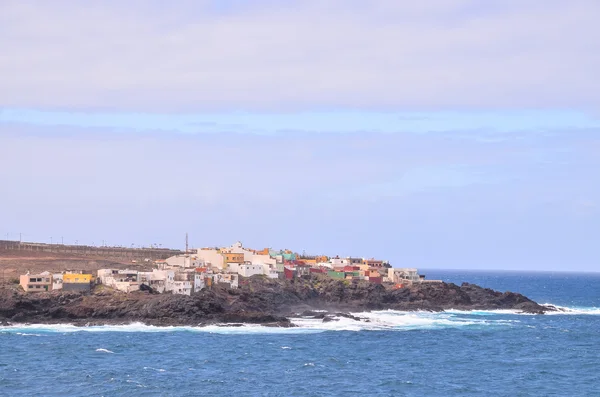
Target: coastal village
[{"x": 230, "y": 266}]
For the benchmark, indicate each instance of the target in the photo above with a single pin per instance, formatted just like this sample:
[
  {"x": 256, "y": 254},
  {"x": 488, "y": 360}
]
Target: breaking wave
[
  {"x": 386, "y": 320},
  {"x": 373, "y": 321},
  {"x": 563, "y": 310},
  {"x": 398, "y": 321},
  {"x": 488, "y": 312}
]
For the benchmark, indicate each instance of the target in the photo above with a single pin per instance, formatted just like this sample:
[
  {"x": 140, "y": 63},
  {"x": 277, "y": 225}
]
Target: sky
[{"x": 440, "y": 134}]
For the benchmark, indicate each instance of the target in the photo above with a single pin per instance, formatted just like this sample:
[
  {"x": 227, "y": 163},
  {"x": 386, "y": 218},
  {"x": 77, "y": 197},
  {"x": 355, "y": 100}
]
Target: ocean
[{"x": 483, "y": 353}]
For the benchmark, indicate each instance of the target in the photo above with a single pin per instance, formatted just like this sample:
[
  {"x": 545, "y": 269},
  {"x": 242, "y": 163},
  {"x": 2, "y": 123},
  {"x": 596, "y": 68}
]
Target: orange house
[
  {"x": 232, "y": 257},
  {"x": 264, "y": 251},
  {"x": 373, "y": 263}
]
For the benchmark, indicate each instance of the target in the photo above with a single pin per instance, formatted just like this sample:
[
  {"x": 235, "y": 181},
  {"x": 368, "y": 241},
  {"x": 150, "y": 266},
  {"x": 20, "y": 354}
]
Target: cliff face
[
  {"x": 329, "y": 294},
  {"x": 260, "y": 301}
]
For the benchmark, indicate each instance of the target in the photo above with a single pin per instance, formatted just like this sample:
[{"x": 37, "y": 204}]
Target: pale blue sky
[{"x": 438, "y": 135}]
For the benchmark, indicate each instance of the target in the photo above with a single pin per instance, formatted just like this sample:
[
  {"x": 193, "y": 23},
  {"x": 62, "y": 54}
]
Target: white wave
[
  {"x": 378, "y": 320},
  {"x": 488, "y": 312},
  {"x": 563, "y": 310},
  {"x": 138, "y": 384},
  {"x": 104, "y": 351},
  {"x": 371, "y": 321},
  {"x": 577, "y": 310},
  {"x": 396, "y": 320},
  {"x": 140, "y": 327},
  {"x": 155, "y": 369},
  {"x": 69, "y": 328}
]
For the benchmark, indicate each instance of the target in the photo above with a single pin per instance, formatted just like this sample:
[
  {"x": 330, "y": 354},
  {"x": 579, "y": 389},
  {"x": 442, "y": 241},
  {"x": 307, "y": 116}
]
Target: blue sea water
[{"x": 395, "y": 354}]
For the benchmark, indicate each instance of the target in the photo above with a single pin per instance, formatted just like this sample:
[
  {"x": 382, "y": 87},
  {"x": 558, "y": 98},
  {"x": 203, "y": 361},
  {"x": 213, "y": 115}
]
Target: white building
[
  {"x": 184, "y": 261},
  {"x": 237, "y": 248},
  {"x": 182, "y": 281},
  {"x": 227, "y": 278},
  {"x": 121, "y": 280},
  {"x": 156, "y": 279},
  {"x": 339, "y": 262},
  {"x": 253, "y": 263},
  {"x": 57, "y": 281},
  {"x": 399, "y": 275},
  {"x": 249, "y": 270},
  {"x": 104, "y": 273},
  {"x": 232, "y": 267},
  {"x": 199, "y": 281},
  {"x": 270, "y": 271},
  {"x": 210, "y": 257},
  {"x": 250, "y": 255},
  {"x": 325, "y": 264},
  {"x": 180, "y": 287},
  {"x": 262, "y": 260}
]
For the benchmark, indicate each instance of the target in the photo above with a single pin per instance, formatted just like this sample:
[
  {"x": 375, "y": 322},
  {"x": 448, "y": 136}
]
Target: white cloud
[{"x": 376, "y": 54}]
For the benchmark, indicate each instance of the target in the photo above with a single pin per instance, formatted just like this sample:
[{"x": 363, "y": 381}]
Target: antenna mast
[{"x": 186, "y": 242}]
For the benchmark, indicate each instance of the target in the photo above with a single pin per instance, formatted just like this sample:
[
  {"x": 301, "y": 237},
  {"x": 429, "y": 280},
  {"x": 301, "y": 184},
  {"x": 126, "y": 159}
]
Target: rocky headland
[{"x": 258, "y": 301}]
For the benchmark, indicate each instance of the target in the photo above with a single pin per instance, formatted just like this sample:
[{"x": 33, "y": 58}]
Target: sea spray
[{"x": 384, "y": 320}]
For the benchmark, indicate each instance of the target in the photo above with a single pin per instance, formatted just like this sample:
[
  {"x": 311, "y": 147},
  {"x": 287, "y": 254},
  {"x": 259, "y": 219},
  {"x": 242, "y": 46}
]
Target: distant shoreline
[{"x": 260, "y": 301}]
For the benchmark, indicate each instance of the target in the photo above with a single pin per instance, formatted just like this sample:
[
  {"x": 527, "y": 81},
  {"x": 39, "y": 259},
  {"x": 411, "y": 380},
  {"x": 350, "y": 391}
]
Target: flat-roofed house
[
  {"x": 77, "y": 282},
  {"x": 36, "y": 282},
  {"x": 400, "y": 275}
]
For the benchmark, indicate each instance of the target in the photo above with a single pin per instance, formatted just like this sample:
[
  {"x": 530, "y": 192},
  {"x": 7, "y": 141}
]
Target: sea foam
[
  {"x": 385, "y": 320},
  {"x": 396, "y": 321},
  {"x": 564, "y": 310}
]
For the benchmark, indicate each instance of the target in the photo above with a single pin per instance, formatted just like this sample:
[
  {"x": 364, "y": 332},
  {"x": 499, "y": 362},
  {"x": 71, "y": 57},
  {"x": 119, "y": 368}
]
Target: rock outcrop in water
[{"x": 260, "y": 301}]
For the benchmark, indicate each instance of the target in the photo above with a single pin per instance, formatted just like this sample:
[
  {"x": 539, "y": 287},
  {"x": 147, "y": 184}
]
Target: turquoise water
[{"x": 394, "y": 354}]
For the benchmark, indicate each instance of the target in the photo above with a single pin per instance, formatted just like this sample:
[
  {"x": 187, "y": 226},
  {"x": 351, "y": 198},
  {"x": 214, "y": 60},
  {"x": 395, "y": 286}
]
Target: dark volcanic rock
[{"x": 259, "y": 301}]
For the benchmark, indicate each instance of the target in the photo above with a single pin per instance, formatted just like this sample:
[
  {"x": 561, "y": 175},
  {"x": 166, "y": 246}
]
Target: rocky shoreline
[{"x": 259, "y": 301}]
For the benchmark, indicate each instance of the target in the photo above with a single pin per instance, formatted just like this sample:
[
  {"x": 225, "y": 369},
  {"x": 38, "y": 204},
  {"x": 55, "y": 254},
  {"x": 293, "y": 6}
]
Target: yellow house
[
  {"x": 77, "y": 282},
  {"x": 364, "y": 267},
  {"x": 77, "y": 278},
  {"x": 309, "y": 261}
]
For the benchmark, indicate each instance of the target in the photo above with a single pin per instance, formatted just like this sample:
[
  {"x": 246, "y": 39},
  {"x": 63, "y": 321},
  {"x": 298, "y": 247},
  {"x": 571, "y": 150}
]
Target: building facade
[
  {"x": 36, "y": 282},
  {"x": 77, "y": 282}
]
